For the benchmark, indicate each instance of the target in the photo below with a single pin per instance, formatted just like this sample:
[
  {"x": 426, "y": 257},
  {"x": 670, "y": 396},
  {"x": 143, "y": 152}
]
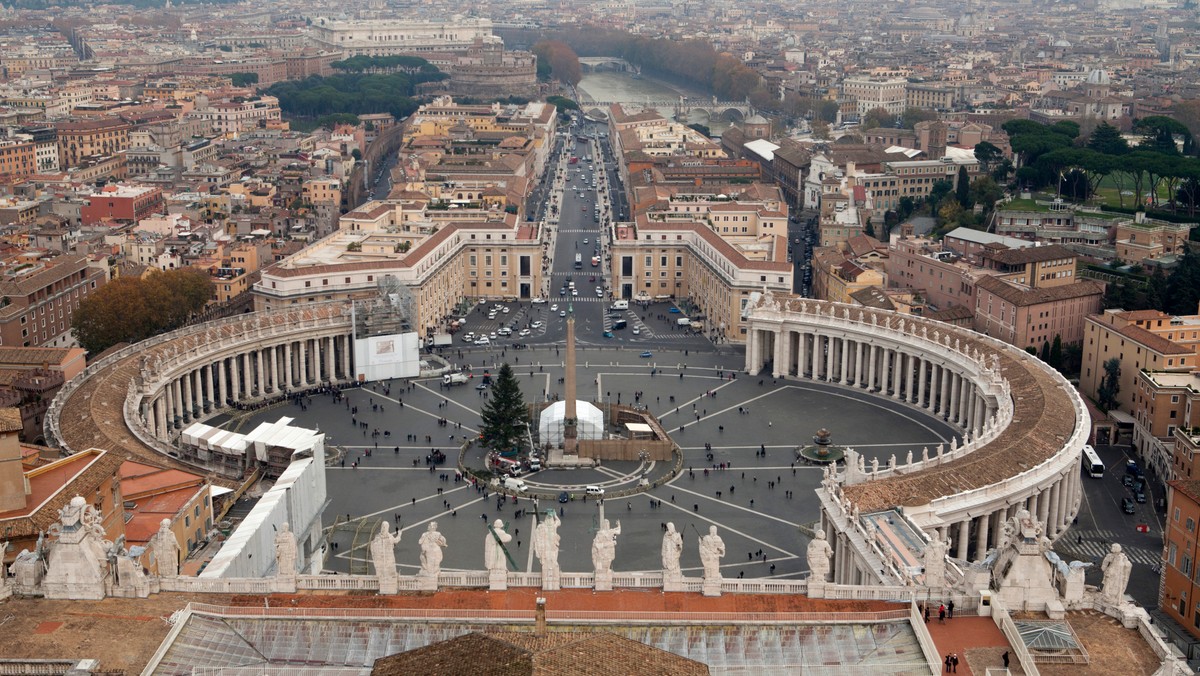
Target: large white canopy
[{"x": 590, "y": 424}]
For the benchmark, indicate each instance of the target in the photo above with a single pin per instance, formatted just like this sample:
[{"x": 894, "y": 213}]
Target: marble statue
[
  {"x": 431, "y": 543},
  {"x": 935, "y": 561},
  {"x": 493, "y": 548},
  {"x": 78, "y": 564},
  {"x": 1116, "y": 568},
  {"x": 819, "y": 553},
  {"x": 604, "y": 546},
  {"x": 285, "y": 551},
  {"x": 164, "y": 549},
  {"x": 383, "y": 551},
  {"x": 712, "y": 548},
  {"x": 924, "y": 454},
  {"x": 672, "y": 547},
  {"x": 874, "y": 464},
  {"x": 546, "y": 542},
  {"x": 908, "y": 460}
]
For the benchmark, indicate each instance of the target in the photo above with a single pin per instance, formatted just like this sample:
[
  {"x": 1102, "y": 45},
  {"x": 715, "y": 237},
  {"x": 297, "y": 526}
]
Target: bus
[
  {"x": 1092, "y": 464},
  {"x": 578, "y": 261}
]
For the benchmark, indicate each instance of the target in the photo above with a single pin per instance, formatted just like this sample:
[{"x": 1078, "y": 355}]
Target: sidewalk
[{"x": 981, "y": 634}]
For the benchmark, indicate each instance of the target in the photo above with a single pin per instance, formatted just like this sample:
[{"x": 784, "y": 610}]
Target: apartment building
[
  {"x": 1143, "y": 339},
  {"x": 129, "y": 203},
  {"x": 42, "y": 296},
  {"x": 870, "y": 93},
  {"x": 236, "y": 113},
  {"x": 79, "y": 140},
  {"x": 1028, "y": 316},
  {"x": 1179, "y": 595},
  {"x": 18, "y": 160}
]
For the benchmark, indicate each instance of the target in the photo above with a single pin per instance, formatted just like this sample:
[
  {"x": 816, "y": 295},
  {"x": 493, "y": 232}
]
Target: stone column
[
  {"x": 873, "y": 357},
  {"x": 289, "y": 369},
  {"x": 1052, "y": 524},
  {"x": 910, "y": 376},
  {"x": 816, "y": 356},
  {"x": 897, "y": 372},
  {"x": 777, "y": 367},
  {"x": 328, "y": 342},
  {"x": 277, "y": 384},
  {"x": 160, "y": 419},
  {"x": 1044, "y": 500},
  {"x": 921, "y": 382},
  {"x": 829, "y": 347},
  {"x": 981, "y": 536},
  {"x": 751, "y": 351},
  {"x": 259, "y": 373},
  {"x": 223, "y": 376},
  {"x": 802, "y": 356},
  {"x": 944, "y": 403},
  {"x": 844, "y": 348},
  {"x": 858, "y": 364},
  {"x": 964, "y": 535},
  {"x": 347, "y": 358},
  {"x": 177, "y": 399},
  {"x": 188, "y": 401},
  {"x": 955, "y": 391},
  {"x": 204, "y": 375}
]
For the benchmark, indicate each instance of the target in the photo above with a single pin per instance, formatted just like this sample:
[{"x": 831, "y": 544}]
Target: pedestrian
[
  {"x": 1005, "y": 658},
  {"x": 942, "y": 616},
  {"x": 950, "y": 609},
  {"x": 947, "y": 663},
  {"x": 926, "y": 614},
  {"x": 954, "y": 663}
]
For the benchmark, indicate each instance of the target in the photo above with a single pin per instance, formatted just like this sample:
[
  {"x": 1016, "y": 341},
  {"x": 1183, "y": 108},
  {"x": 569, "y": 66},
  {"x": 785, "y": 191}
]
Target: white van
[
  {"x": 683, "y": 321},
  {"x": 514, "y": 484},
  {"x": 594, "y": 490},
  {"x": 620, "y": 305}
]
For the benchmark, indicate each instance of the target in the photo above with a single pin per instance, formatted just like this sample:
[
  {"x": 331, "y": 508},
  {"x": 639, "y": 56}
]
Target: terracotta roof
[
  {"x": 1025, "y": 297},
  {"x": 10, "y": 420},
  {"x": 1189, "y": 487},
  {"x": 1043, "y": 418},
  {"x": 1030, "y": 254},
  {"x": 517, "y": 653},
  {"x": 1152, "y": 341}
]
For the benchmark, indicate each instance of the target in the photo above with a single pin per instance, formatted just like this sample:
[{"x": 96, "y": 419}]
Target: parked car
[
  {"x": 647, "y": 354},
  {"x": 1127, "y": 506}
]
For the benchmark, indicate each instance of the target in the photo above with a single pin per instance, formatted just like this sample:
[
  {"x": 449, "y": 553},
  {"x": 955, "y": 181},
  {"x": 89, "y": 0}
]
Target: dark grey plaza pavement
[{"x": 759, "y": 504}]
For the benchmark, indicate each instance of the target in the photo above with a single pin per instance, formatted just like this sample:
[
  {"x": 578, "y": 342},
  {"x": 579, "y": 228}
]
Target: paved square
[{"x": 760, "y": 503}]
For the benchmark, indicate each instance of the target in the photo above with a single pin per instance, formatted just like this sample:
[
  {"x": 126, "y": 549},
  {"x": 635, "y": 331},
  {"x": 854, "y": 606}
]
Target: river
[{"x": 621, "y": 86}]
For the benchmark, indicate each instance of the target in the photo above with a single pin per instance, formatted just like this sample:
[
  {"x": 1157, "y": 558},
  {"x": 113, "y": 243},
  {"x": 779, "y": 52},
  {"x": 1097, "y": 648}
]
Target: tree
[
  {"x": 988, "y": 155},
  {"x": 820, "y": 130},
  {"x": 131, "y": 309},
  {"x": 1056, "y": 353},
  {"x": 875, "y": 118},
  {"x": 1110, "y": 385},
  {"x": 1107, "y": 139},
  {"x": 243, "y": 79},
  {"x": 962, "y": 187},
  {"x": 985, "y": 191},
  {"x": 1045, "y": 355},
  {"x": 504, "y": 415},
  {"x": 911, "y": 116},
  {"x": 1183, "y": 286},
  {"x": 563, "y": 61}
]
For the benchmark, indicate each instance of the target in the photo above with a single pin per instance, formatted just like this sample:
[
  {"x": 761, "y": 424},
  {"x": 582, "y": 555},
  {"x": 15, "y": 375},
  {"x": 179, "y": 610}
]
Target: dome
[
  {"x": 1098, "y": 77},
  {"x": 1061, "y": 43},
  {"x": 756, "y": 119},
  {"x": 589, "y": 422}
]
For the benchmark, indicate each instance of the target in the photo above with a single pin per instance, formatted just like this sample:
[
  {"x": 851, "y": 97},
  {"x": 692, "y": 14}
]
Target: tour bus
[
  {"x": 578, "y": 261},
  {"x": 1092, "y": 464}
]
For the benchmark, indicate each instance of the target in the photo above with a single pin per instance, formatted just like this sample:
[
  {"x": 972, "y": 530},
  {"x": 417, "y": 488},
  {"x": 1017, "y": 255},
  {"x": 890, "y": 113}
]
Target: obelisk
[{"x": 570, "y": 432}]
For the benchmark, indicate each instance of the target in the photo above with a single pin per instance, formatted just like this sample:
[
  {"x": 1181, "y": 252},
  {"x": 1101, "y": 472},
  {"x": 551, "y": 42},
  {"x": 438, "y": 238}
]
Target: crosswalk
[{"x": 1096, "y": 544}]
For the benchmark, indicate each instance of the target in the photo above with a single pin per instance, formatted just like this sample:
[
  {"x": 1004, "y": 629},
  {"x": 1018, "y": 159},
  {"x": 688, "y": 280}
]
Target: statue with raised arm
[
  {"x": 604, "y": 546},
  {"x": 383, "y": 557},
  {"x": 164, "y": 549},
  {"x": 672, "y": 547},
  {"x": 285, "y": 551},
  {"x": 818, "y": 554},
  {"x": 1116, "y": 568},
  {"x": 712, "y": 548},
  {"x": 431, "y": 543}
]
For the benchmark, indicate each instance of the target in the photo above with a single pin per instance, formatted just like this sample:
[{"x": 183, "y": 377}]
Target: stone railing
[
  {"x": 917, "y": 620},
  {"x": 1004, "y": 622}
]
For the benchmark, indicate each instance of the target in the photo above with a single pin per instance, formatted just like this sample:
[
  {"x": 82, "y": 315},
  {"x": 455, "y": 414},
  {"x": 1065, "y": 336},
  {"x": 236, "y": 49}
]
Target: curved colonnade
[
  {"x": 1023, "y": 424},
  {"x": 136, "y": 400}
]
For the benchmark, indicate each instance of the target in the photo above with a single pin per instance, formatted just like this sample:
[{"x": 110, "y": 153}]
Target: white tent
[{"x": 590, "y": 423}]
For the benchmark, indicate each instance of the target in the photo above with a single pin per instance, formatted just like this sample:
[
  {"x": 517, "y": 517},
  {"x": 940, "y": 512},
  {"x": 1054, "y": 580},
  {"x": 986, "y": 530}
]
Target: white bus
[{"x": 1092, "y": 464}]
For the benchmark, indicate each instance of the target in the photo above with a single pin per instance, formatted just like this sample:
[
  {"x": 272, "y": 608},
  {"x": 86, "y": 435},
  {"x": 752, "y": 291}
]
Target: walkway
[{"x": 976, "y": 640}]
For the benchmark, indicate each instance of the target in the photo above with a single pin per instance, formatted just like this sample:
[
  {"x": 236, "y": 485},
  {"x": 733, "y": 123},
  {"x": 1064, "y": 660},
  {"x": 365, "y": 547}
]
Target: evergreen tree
[
  {"x": 504, "y": 415},
  {"x": 1045, "y": 356},
  {"x": 1107, "y": 139},
  {"x": 962, "y": 188},
  {"x": 1110, "y": 385},
  {"x": 1056, "y": 353}
]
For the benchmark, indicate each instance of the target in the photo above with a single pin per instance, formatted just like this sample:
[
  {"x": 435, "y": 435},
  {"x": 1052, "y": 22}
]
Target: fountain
[{"x": 821, "y": 451}]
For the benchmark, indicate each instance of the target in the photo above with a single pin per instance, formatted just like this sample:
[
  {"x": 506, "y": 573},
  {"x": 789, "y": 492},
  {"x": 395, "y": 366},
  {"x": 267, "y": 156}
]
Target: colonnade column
[
  {"x": 829, "y": 359},
  {"x": 844, "y": 376},
  {"x": 923, "y": 367},
  {"x": 223, "y": 376},
  {"x": 1052, "y": 523},
  {"x": 235, "y": 376},
  {"x": 960, "y": 542},
  {"x": 944, "y": 403},
  {"x": 187, "y": 395},
  {"x": 802, "y": 354},
  {"x": 328, "y": 341},
  {"x": 160, "y": 417},
  {"x": 955, "y": 389},
  {"x": 1043, "y": 511},
  {"x": 897, "y": 372},
  {"x": 981, "y": 535},
  {"x": 347, "y": 348},
  {"x": 260, "y": 374},
  {"x": 204, "y": 375},
  {"x": 871, "y": 367},
  {"x": 305, "y": 363}
]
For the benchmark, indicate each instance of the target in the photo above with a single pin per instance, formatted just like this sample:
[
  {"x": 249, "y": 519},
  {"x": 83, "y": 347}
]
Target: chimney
[
  {"x": 13, "y": 487},
  {"x": 539, "y": 627}
]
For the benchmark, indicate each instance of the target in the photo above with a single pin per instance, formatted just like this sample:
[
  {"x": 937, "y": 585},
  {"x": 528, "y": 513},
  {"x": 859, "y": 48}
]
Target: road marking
[
  {"x": 428, "y": 413},
  {"x": 735, "y": 531},
  {"x": 724, "y": 503}
]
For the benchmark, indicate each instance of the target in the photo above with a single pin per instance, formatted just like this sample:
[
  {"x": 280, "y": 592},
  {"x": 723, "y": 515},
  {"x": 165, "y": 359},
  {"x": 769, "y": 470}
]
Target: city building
[
  {"x": 42, "y": 296},
  {"x": 384, "y": 37},
  {"x": 870, "y": 93},
  {"x": 79, "y": 140},
  {"x": 128, "y": 203}
]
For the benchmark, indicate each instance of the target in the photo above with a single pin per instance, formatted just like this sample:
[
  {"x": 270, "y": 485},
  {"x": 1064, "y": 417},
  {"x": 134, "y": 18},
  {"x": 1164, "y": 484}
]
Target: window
[{"x": 1190, "y": 524}]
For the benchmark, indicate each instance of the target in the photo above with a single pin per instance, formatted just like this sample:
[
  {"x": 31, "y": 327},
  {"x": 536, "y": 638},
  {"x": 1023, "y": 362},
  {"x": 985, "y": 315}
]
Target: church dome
[
  {"x": 1098, "y": 77},
  {"x": 756, "y": 119}
]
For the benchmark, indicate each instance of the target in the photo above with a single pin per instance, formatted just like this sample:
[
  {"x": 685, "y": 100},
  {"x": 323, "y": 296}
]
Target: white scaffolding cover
[{"x": 590, "y": 424}]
